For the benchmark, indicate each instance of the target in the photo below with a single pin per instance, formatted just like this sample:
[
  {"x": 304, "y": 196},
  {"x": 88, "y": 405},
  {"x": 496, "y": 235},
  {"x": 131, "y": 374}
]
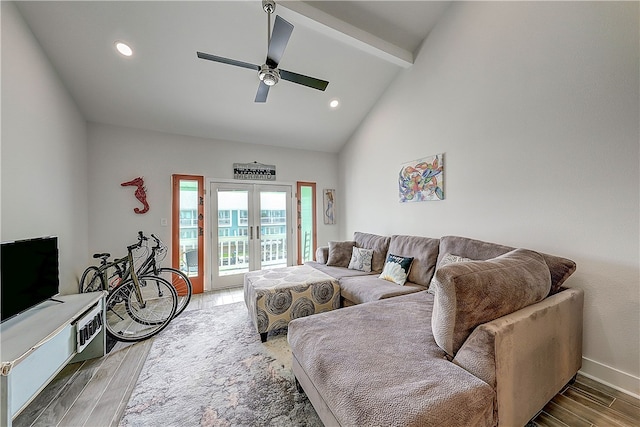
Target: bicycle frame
[
  {"x": 125, "y": 269},
  {"x": 148, "y": 265}
]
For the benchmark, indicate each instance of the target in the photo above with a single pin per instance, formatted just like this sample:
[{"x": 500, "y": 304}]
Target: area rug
[{"x": 209, "y": 368}]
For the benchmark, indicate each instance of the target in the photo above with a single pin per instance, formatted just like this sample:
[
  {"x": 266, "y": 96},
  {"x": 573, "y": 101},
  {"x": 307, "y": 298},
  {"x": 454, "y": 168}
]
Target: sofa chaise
[{"x": 490, "y": 342}]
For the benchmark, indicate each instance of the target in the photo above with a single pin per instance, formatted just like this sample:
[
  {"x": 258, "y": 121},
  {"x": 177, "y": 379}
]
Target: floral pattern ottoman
[{"x": 277, "y": 296}]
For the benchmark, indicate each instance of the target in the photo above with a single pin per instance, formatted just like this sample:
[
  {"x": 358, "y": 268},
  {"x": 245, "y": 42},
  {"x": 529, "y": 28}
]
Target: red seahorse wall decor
[{"x": 141, "y": 193}]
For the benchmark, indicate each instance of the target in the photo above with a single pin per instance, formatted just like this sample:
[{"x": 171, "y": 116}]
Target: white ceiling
[{"x": 358, "y": 46}]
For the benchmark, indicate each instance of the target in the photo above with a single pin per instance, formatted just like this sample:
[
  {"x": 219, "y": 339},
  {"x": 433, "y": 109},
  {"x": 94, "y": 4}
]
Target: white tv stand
[{"x": 38, "y": 343}]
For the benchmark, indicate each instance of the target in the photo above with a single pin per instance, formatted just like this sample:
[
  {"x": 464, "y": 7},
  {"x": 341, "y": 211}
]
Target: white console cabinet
[{"x": 38, "y": 343}]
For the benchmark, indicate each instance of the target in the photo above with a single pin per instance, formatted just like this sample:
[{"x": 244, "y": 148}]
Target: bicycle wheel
[
  {"x": 91, "y": 280},
  {"x": 157, "y": 295},
  {"x": 181, "y": 283},
  {"x": 129, "y": 319}
]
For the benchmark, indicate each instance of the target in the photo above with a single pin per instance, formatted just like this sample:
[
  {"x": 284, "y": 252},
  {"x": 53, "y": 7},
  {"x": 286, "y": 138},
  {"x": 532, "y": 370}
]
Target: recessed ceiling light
[
  {"x": 124, "y": 49},
  {"x": 334, "y": 103}
]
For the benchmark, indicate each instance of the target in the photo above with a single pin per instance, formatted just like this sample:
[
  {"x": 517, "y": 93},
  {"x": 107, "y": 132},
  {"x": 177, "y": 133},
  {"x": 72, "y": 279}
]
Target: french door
[{"x": 250, "y": 230}]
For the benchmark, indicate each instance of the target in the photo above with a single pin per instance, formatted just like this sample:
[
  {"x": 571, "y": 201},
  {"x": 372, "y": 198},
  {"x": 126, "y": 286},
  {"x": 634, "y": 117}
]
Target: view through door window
[
  {"x": 245, "y": 229},
  {"x": 273, "y": 229},
  {"x": 233, "y": 232},
  {"x": 189, "y": 227},
  {"x": 306, "y": 221}
]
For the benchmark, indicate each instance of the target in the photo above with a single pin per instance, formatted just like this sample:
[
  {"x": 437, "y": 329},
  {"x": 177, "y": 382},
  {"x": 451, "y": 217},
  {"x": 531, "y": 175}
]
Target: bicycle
[
  {"x": 90, "y": 279},
  {"x": 137, "y": 306},
  {"x": 177, "y": 278}
]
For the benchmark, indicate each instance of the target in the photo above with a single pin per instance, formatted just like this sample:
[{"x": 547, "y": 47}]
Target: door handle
[{"x": 251, "y": 233}]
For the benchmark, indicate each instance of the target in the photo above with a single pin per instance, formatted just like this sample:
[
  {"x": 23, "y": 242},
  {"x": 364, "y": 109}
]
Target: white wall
[
  {"x": 118, "y": 154},
  {"x": 43, "y": 166},
  {"x": 535, "y": 106}
]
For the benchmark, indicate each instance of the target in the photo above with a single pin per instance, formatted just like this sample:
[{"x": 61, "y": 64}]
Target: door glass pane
[
  {"x": 306, "y": 222},
  {"x": 233, "y": 232},
  {"x": 273, "y": 229},
  {"x": 189, "y": 226}
]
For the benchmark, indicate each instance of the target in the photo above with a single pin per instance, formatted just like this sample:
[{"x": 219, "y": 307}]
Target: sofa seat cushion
[
  {"x": 373, "y": 374},
  {"x": 560, "y": 268},
  {"x": 360, "y": 289},
  {"x": 468, "y": 294},
  {"x": 336, "y": 272}
]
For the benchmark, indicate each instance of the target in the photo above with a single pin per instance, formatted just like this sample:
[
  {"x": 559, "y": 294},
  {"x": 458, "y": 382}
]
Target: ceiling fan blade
[
  {"x": 228, "y": 61},
  {"x": 279, "y": 38},
  {"x": 263, "y": 91},
  {"x": 303, "y": 80}
]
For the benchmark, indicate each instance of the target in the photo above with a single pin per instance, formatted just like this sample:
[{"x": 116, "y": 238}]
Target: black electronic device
[{"x": 29, "y": 274}]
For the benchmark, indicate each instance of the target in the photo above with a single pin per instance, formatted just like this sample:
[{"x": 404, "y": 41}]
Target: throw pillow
[
  {"x": 379, "y": 244},
  {"x": 446, "y": 259},
  {"x": 340, "y": 253},
  {"x": 396, "y": 269},
  {"x": 424, "y": 251},
  {"x": 361, "y": 259},
  {"x": 468, "y": 294}
]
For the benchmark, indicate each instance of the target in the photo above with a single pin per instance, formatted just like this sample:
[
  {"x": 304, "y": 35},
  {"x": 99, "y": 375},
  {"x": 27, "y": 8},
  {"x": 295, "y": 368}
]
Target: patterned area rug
[{"x": 209, "y": 368}]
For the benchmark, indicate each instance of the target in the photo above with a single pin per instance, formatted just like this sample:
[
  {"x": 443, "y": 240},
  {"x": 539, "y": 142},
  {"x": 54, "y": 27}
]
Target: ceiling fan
[{"x": 269, "y": 73}]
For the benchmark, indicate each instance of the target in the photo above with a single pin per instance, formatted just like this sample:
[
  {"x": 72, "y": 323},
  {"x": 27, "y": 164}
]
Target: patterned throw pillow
[
  {"x": 396, "y": 269},
  {"x": 361, "y": 259},
  {"x": 446, "y": 259}
]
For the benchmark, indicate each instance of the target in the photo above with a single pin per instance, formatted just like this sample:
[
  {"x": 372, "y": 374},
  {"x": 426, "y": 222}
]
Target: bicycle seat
[{"x": 103, "y": 255}]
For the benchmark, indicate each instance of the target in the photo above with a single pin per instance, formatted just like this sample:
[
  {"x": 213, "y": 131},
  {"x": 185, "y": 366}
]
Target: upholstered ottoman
[{"x": 275, "y": 297}]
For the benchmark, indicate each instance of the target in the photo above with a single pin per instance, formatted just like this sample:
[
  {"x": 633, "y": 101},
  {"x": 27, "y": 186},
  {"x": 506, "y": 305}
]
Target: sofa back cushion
[
  {"x": 424, "y": 251},
  {"x": 559, "y": 268},
  {"x": 471, "y": 293},
  {"x": 446, "y": 259},
  {"x": 379, "y": 244}
]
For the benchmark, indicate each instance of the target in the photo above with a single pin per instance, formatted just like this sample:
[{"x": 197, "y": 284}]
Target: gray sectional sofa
[{"x": 490, "y": 342}]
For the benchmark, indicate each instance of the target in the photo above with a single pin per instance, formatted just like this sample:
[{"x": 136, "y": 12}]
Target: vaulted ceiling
[{"x": 358, "y": 46}]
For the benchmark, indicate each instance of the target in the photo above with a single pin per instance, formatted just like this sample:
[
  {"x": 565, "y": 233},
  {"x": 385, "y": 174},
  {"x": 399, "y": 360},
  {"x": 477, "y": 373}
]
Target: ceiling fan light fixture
[
  {"x": 123, "y": 48},
  {"x": 270, "y": 76},
  {"x": 269, "y": 6},
  {"x": 268, "y": 73}
]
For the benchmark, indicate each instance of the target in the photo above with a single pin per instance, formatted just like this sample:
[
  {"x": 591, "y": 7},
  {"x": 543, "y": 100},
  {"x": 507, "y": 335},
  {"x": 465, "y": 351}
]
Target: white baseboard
[{"x": 611, "y": 377}]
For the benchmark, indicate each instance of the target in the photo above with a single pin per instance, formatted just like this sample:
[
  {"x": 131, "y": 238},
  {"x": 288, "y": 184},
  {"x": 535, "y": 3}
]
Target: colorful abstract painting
[{"x": 421, "y": 180}]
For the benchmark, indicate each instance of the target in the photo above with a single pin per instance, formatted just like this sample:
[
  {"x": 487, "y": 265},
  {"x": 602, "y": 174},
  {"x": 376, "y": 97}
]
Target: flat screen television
[{"x": 29, "y": 274}]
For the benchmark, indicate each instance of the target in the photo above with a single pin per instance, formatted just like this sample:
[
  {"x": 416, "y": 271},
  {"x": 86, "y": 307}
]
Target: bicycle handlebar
[
  {"x": 158, "y": 241},
  {"x": 141, "y": 238}
]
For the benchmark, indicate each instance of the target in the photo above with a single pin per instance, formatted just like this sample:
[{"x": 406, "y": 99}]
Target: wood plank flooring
[
  {"x": 95, "y": 393},
  {"x": 588, "y": 403}
]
